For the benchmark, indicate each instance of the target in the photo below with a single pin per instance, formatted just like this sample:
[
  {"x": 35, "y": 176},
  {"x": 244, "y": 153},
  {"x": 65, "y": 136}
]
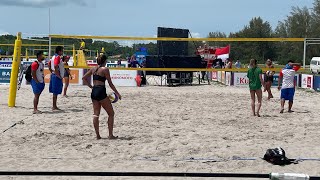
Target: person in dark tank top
[{"x": 99, "y": 95}]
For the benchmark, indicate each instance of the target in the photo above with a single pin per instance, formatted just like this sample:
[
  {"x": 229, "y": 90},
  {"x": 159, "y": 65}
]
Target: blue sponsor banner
[
  {"x": 275, "y": 80},
  {"x": 316, "y": 83},
  {"x": 141, "y": 55},
  {"x": 27, "y": 63},
  {"x": 114, "y": 65},
  {"x": 8, "y": 64},
  {"x": 5, "y": 75},
  {"x": 5, "y": 70}
]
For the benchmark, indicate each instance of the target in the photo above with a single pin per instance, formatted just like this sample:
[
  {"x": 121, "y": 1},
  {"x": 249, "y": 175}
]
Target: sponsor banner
[
  {"x": 82, "y": 72},
  {"x": 223, "y": 77},
  {"x": 275, "y": 80},
  {"x": 240, "y": 79},
  {"x": 92, "y": 64},
  {"x": 123, "y": 77},
  {"x": 8, "y": 64},
  {"x": 74, "y": 73},
  {"x": 46, "y": 75},
  {"x": 115, "y": 65},
  {"x": 5, "y": 75},
  {"x": 297, "y": 80},
  {"x": 228, "y": 78},
  {"x": 316, "y": 83},
  {"x": 219, "y": 76},
  {"x": 306, "y": 81},
  {"x": 214, "y": 76},
  {"x": 75, "y": 76}
]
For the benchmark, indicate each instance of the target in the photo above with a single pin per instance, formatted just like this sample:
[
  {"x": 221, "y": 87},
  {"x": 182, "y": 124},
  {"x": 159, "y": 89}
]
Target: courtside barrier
[
  {"x": 220, "y": 76},
  {"x": 229, "y": 78},
  {"x": 36, "y": 45},
  {"x": 316, "y": 83},
  {"x": 307, "y": 81},
  {"x": 181, "y": 69},
  {"x": 240, "y": 79},
  {"x": 5, "y": 75},
  {"x": 76, "y": 74},
  {"x": 124, "y": 78},
  {"x": 214, "y": 76}
]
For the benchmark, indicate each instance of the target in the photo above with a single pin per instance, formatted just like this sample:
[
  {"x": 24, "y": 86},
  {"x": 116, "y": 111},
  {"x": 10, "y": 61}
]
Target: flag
[{"x": 223, "y": 53}]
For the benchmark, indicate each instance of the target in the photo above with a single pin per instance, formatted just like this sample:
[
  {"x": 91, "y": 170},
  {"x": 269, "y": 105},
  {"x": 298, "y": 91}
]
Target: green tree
[
  {"x": 217, "y": 34},
  {"x": 244, "y": 51},
  {"x": 297, "y": 25}
]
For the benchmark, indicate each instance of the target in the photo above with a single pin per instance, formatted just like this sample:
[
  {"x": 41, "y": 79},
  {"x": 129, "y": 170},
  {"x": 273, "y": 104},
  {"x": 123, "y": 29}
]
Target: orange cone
[{"x": 138, "y": 80}]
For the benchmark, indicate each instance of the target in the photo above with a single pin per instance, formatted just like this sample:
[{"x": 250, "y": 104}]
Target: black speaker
[
  {"x": 174, "y": 62},
  {"x": 153, "y": 62},
  {"x": 182, "y": 61},
  {"x": 178, "y": 48}
]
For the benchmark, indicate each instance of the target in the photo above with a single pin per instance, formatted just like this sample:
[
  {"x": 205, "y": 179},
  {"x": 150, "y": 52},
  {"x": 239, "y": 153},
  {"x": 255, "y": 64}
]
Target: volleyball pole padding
[{"x": 14, "y": 71}]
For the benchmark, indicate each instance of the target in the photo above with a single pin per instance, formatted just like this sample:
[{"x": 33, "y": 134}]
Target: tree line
[{"x": 300, "y": 23}]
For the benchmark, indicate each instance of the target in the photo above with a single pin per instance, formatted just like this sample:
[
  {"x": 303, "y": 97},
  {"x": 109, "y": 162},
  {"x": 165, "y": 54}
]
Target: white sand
[{"x": 165, "y": 123}]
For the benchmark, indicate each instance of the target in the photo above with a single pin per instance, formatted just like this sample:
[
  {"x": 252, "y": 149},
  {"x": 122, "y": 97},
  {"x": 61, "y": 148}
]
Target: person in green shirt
[{"x": 255, "y": 84}]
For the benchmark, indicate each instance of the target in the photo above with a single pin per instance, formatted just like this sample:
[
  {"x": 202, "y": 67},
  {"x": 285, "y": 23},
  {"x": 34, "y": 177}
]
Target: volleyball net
[
  {"x": 121, "y": 50},
  {"x": 131, "y": 54}
]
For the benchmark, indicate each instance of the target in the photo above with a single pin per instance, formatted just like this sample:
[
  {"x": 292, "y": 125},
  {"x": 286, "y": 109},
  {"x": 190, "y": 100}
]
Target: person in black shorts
[
  {"x": 66, "y": 76},
  {"x": 268, "y": 78},
  {"x": 99, "y": 95}
]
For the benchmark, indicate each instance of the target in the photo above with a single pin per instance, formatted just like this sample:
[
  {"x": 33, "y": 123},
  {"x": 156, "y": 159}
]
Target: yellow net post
[
  {"x": 81, "y": 59},
  {"x": 74, "y": 55},
  {"x": 14, "y": 71},
  {"x": 27, "y": 58}
]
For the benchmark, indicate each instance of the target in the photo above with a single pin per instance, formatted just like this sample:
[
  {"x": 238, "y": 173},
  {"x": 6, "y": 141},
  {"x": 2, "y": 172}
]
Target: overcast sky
[{"x": 138, "y": 17}]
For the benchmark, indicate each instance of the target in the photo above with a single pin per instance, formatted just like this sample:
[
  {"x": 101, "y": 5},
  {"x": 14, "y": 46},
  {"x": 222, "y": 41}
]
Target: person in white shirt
[
  {"x": 37, "y": 82},
  {"x": 56, "y": 82},
  {"x": 286, "y": 76}
]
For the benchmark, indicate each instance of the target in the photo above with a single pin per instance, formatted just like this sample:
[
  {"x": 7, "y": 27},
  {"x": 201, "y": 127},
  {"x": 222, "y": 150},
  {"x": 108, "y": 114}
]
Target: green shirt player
[{"x": 255, "y": 84}]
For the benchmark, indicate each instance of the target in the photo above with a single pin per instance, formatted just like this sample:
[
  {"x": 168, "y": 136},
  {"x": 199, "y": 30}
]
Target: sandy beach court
[{"x": 159, "y": 128}]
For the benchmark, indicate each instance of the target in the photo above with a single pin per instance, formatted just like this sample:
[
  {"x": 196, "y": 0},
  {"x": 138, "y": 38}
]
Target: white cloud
[
  {"x": 41, "y": 3},
  {"x": 195, "y": 34},
  {"x": 2, "y": 33},
  {"x": 128, "y": 43}
]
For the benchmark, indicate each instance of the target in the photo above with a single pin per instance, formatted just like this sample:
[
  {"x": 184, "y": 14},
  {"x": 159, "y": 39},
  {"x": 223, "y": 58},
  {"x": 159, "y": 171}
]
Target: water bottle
[{"x": 288, "y": 176}]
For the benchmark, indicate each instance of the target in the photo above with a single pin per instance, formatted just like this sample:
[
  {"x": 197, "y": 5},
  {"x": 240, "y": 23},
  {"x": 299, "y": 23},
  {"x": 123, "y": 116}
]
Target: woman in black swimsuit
[
  {"x": 99, "y": 96},
  {"x": 268, "y": 78},
  {"x": 66, "y": 76}
]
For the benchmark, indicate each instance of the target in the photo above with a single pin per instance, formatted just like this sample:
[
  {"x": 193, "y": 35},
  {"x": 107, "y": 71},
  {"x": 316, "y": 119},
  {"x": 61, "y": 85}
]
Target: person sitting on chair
[{"x": 82, "y": 45}]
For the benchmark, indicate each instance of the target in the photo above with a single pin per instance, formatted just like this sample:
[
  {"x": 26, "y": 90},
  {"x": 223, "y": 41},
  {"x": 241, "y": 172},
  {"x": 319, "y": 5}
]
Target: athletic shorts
[
  {"x": 99, "y": 93},
  {"x": 268, "y": 78},
  {"x": 287, "y": 94},
  {"x": 37, "y": 87},
  {"x": 66, "y": 74},
  {"x": 56, "y": 85}
]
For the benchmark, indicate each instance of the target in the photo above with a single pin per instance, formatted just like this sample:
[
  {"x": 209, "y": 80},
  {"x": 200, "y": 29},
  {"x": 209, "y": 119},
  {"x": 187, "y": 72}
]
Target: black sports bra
[{"x": 97, "y": 77}]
